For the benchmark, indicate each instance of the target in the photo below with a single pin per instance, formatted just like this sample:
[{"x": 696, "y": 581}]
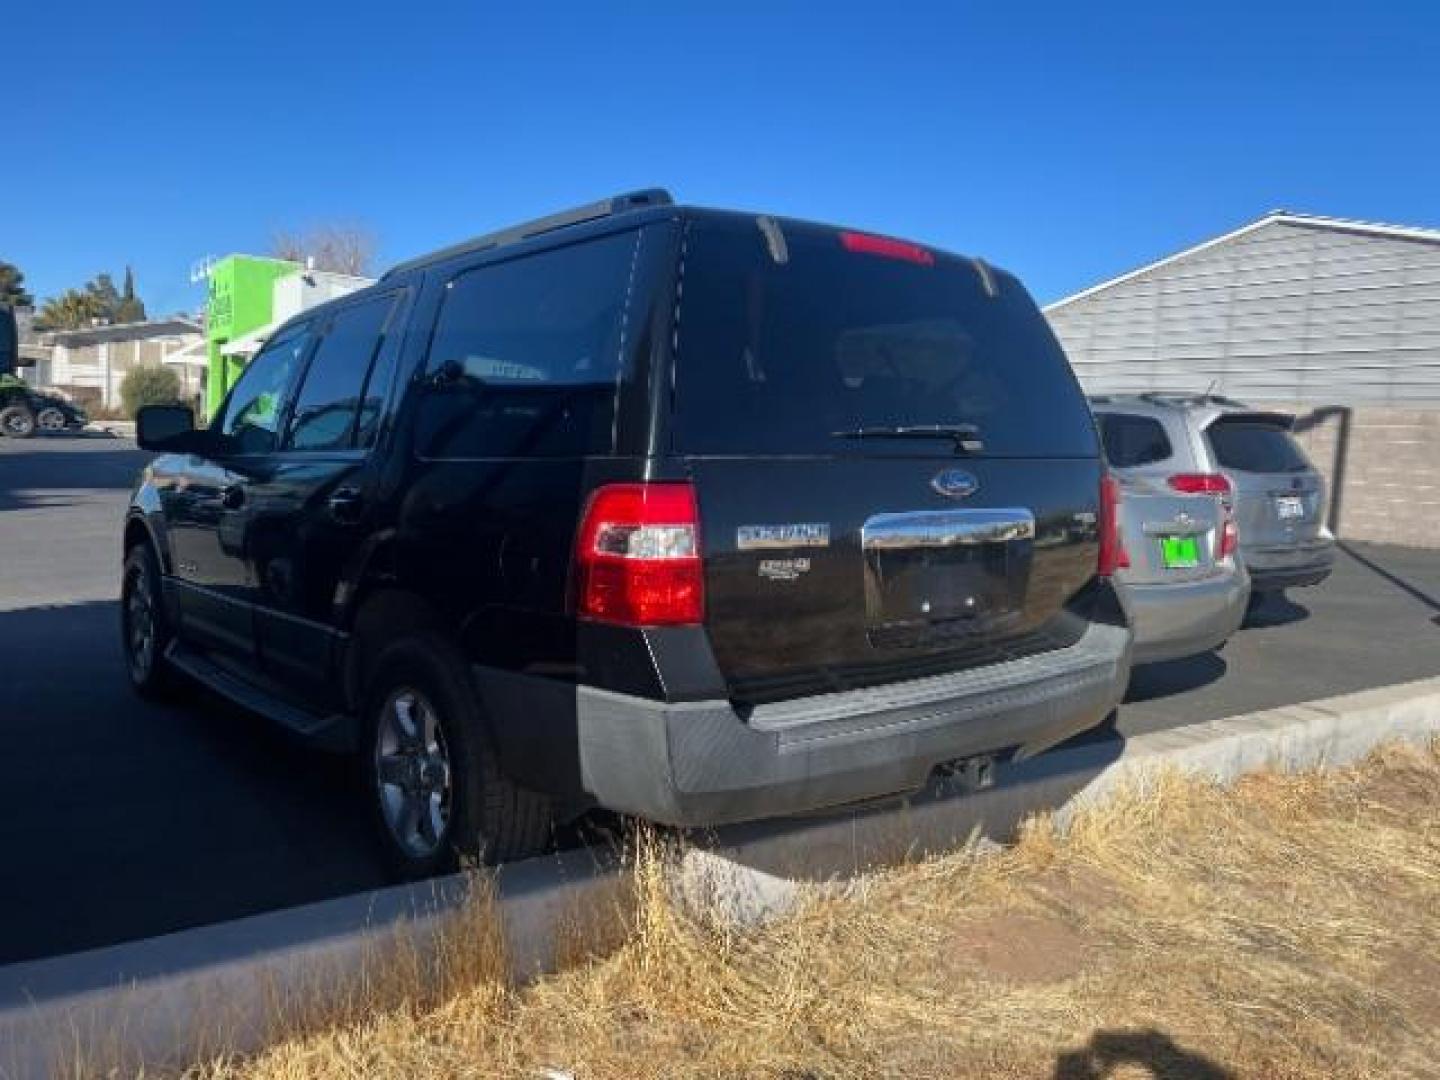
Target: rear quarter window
[
  {"x": 1256, "y": 447},
  {"x": 527, "y": 355},
  {"x": 783, "y": 343},
  {"x": 1133, "y": 441}
]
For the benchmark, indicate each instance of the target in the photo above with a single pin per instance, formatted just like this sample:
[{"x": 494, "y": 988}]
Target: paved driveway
[
  {"x": 1376, "y": 621},
  {"x": 120, "y": 819}
]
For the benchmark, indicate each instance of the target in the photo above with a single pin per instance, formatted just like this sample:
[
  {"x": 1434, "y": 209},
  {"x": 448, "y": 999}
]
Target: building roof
[
  {"x": 251, "y": 343},
  {"x": 149, "y": 328},
  {"x": 1275, "y": 217},
  {"x": 196, "y": 354}
]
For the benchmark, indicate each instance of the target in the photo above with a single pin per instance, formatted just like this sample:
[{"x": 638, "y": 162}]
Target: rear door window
[
  {"x": 527, "y": 355},
  {"x": 1256, "y": 447},
  {"x": 788, "y": 337},
  {"x": 1133, "y": 441}
]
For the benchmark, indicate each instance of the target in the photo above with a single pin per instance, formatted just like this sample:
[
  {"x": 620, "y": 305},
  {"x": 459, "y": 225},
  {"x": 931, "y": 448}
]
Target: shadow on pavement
[
  {"x": 1115, "y": 1053},
  {"x": 1395, "y": 579},
  {"x": 1150, "y": 681},
  {"x": 1273, "y": 609},
  {"x": 123, "y": 819}
]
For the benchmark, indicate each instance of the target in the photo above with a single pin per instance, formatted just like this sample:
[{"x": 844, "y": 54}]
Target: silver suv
[{"x": 1279, "y": 496}]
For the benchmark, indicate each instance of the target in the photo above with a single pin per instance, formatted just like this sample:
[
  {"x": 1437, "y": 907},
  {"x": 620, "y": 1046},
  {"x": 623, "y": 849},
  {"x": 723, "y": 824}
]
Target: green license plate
[{"x": 1178, "y": 552}]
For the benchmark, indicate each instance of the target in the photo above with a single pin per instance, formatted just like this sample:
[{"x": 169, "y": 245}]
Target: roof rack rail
[
  {"x": 617, "y": 204},
  {"x": 1187, "y": 397}
]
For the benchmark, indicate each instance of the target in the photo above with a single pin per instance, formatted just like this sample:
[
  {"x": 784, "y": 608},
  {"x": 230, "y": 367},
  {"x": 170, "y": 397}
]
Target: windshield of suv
[
  {"x": 1257, "y": 447},
  {"x": 792, "y": 340}
]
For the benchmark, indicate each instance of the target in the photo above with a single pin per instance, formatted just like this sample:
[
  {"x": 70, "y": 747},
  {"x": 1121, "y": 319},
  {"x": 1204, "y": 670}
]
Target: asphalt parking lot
[{"x": 123, "y": 819}]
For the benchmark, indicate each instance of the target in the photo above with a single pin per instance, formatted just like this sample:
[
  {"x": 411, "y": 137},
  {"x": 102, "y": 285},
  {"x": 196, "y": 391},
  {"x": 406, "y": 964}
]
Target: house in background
[
  {"x": 89, "y": 364},
  {"x": 1336, "y": 321}
]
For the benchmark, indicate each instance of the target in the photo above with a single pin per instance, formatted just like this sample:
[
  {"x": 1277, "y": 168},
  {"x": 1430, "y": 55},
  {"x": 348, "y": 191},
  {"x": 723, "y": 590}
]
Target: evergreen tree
[
  {"x": 107, "y": 297},
  {"x": 130, "y": 307},
  {"x": 13, "y": 293}
]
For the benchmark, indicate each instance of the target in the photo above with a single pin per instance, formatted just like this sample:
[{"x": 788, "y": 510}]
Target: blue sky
[{"x": 1066, "y": 142}]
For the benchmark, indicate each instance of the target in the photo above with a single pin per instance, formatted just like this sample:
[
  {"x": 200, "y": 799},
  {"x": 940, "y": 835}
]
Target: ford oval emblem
[{"x": 955, "y": 483}]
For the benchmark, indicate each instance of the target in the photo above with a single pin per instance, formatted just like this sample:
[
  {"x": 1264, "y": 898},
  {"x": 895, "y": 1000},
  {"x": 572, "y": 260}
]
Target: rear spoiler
[{"x": 1285, "y": 421}]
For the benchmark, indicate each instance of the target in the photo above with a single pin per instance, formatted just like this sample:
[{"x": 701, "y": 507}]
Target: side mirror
[{"x": 166, "y": 429}]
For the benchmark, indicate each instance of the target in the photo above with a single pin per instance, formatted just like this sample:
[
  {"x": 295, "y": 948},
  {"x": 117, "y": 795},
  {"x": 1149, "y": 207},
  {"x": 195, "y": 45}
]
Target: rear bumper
[
  {"x": 1186, "y": 618},
  {"x": 1290, "y": 566},
  {"x": 701, "y": 763}
]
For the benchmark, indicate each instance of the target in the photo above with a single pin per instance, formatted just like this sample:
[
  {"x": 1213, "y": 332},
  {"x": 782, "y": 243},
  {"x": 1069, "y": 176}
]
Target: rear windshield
[
  {"x": 786, "y": 337},
  {"x": 1250, "y": 446}
]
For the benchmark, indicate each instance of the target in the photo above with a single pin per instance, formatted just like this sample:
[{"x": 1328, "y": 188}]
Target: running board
[{"x": 333, "y": 732}]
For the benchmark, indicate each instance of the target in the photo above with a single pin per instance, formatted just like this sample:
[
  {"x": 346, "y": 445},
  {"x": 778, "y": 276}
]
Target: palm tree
[{"x": 71, "y": 310}]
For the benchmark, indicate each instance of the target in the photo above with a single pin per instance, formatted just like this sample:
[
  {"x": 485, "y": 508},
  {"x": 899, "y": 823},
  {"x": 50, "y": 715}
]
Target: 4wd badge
[{"x": 783, "y": 569}]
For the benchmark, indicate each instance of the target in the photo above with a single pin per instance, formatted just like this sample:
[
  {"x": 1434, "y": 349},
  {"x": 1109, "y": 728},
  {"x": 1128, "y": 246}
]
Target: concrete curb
[{"x": 148, "y": 998}]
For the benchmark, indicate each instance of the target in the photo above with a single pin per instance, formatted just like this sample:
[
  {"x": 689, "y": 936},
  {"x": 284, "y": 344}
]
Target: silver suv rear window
[
  {"x": 1132, "y": 441},
  {"x": 1256, "y": 447}
]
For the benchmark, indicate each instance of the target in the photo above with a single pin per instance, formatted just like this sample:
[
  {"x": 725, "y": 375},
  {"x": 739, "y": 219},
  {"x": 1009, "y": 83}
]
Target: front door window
[{"x": 252, "y": 419}]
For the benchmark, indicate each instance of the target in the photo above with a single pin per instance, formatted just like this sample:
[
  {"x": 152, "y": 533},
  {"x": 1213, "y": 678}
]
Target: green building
[{"x": 241, "y": 300}]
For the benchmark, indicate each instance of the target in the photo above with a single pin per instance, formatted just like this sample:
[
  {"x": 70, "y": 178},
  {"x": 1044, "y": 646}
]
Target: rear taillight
[
  {"x": 1113, "y": 555},
  {"x": 1229, "y": 541},
  {"x": 637, "y": 556},
  {"x": 1199, "y": 483}
]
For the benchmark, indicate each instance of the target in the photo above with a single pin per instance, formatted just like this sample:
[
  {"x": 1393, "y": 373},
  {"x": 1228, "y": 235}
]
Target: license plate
[
  {"x": 1288, "y": 507},
  {"x": 1179, "y": 552},
  {"x": 931, "y": 567}
]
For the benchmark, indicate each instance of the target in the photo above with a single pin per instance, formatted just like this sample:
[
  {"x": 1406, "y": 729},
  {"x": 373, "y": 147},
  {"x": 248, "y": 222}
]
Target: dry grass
[{"x": 1286, "y": 927}]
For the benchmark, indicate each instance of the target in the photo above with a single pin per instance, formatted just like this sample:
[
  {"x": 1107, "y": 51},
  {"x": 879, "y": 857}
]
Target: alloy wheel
[
  {"x": 19, "y": 424},
  {"x": 139, "y": 625},
  {"x": 413, "y": 777},
  {"x": 50, "y": 419}
]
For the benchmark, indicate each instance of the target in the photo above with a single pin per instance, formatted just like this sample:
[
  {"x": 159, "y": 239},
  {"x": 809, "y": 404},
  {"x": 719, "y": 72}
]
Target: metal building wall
[{"x": 1287, "y": 311}]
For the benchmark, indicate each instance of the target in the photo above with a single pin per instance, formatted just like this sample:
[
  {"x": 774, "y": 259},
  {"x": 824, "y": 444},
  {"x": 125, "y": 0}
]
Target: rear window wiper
[{"x": 966, "y": 437}]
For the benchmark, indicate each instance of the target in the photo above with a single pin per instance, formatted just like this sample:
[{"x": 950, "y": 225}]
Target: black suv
[{"x": 699, "y": 516}]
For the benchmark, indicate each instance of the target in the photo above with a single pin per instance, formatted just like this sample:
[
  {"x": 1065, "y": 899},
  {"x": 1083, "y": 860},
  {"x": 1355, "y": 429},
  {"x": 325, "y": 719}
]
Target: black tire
[
  {"x": 487, "y": 817},
  {"x": 150, "y": 674},
  {"x": 17, "y": 422}
]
